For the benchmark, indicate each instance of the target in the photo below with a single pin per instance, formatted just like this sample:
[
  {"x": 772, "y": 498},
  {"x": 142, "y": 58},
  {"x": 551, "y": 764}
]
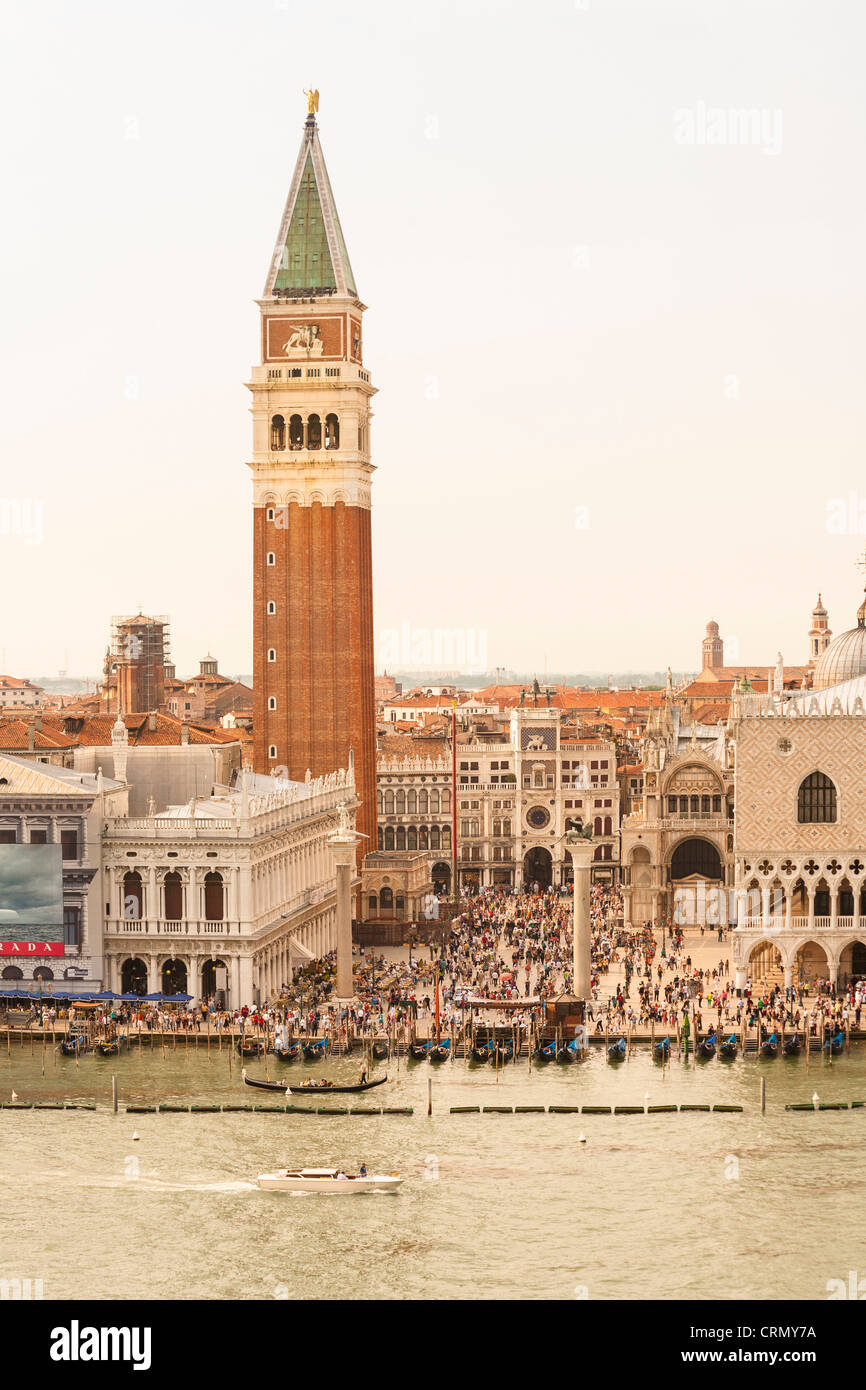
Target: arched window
[
  {"x": 278, "y": 432},
  {"x": 816, "y": 800},
  {"x": 12, "y": 972},
  {"x": 173, "y": 895},
  {"x": 608, "y": 825},
  {"x": 695, "y": 805},
  {"x": 446, "y": 800},
  {"x": 133, "y": 896},
  {"x": 717, "y": 805},
  {"x": 272, "y": 655},
  {"x": 684, "y": 805},
  {"x": 389, "y": 837},
  {"x": 272, "y": 608},
  {"x": 296, "y": 432},
  {"x": 213, "y": 897},
  {"x": 705, "y": 805},
  {"x": 314, "y": 432},
  {"x": 506, "y": 826},
  {"x": 381, "y": 838},
  {"x": 373, "y": 904},
  {"x": 272, "y": 751},
  {"x": 401, "y": 802},
  {"x": 434, "y": 837},
  {"x": 497, "y": 829},
  {"x": 446, "y": 837},
  {"x": 389, "y": 804},
  {"x": 412, "y": 802},
  {"x": 332, "y": 432},
  {"x": 434, "y": 802},
  {"x": 272, "y": 559},
  {"x": 423, "y": 842},
  {"x": 380, "y": 804},
  {"x": 596, "y": 827},
  {"x": 42, "y": 972},
  {"x": 411, "y": 838},
  {"x": 386, "y": 899},
  {"x": 272, "y": 702},
  {"x": 401, "y": 837}
]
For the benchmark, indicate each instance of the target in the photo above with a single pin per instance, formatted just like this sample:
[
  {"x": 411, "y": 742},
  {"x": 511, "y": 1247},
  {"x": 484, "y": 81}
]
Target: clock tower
[{"x": 312, "y": 582}]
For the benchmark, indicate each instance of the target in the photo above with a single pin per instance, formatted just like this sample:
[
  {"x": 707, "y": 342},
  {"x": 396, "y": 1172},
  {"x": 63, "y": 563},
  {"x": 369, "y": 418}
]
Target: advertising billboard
[{"x": 31, "y": 900}]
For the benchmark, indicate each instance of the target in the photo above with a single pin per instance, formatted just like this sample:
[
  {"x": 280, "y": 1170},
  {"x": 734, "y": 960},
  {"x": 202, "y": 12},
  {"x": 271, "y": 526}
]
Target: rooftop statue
[{"x": 312, "y": 100}]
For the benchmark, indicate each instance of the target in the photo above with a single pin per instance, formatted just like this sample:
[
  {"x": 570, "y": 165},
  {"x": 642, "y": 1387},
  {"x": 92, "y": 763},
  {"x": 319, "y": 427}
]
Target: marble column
[
  {"x": 581, "y": 858},
  {"x": 342, "y": 844}
]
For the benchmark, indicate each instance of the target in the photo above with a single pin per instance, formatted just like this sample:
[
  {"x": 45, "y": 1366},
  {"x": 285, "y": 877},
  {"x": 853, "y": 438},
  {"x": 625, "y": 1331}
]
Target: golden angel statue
[{"x": 312, "y": 100}]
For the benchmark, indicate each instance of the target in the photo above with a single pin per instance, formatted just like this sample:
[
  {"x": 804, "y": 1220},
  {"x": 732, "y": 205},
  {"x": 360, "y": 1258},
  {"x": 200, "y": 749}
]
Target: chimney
[
  {"x": 151, "y": 723},
  {"x": 184, "y": 733},
  {"x": 31, "y": 740}
]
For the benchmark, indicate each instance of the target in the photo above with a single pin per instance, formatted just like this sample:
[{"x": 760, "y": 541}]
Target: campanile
[{"x": 312, "y": 581}]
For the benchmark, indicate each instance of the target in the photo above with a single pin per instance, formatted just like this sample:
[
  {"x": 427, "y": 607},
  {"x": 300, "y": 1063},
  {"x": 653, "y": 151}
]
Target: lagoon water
[{"x": 711, "y": 1206}]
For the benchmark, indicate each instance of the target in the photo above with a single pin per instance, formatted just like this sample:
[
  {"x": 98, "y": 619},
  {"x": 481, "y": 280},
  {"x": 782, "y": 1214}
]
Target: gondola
[
  {"x": 503, "y": 1052},
  {"x": 419, "y": 1050},
  {"x": 288, "y": 1054},
  {"x": 380, "y": 1050},
  {"x": 728, "y": 1048},
  {"x": 616, "y": 1051},
  {"x": 315, "y": 1051},
  {"x": 305, "y": 1089},
  {"x": 792, "y": 1046},
  {"x": 107, "y": 1048},
  {"x": 662, "y": 1050},
  {"x": 441, "y": 1051},
  {"x": 250, "y": 1047},
  {"x": 546, "y": 1052},
  {"x": 707, "y": 1047},
  {"x": 482, "y": 1053},
  {"x": 770, "y": 1046},
  {"x": 70, "y": 1047},
  {"x": 574, "y": 1050},
  {"x": 835, "y": 1045},
  {"x": 563, "y": 1055}
]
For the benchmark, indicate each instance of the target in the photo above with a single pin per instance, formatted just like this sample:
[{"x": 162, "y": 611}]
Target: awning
[{"x": 300, "y": 950}]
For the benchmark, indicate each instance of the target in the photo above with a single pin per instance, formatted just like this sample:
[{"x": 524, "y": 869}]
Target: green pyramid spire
[{"x": 310, "y": 253}]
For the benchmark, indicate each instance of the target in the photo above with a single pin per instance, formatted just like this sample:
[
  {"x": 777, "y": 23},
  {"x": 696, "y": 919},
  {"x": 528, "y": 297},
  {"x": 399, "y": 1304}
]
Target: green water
[{"x": 708, "y": 1206}]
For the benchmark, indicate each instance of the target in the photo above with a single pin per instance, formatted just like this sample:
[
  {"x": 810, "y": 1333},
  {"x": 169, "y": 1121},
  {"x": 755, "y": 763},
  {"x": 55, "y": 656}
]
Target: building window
[
  {"x": 213, "y": 897},
  {"x": 272, "y": 655},
  {"x": 272, "y": 607},
  {"x": 133, "y": 897},
  {"x": 272, "y": 751},
  {"x": 69, "y": 844},
  {"x": 270, "y": 513},
  {"x": 272, "y": 702},
  {"x": 816, "y": 800},
  {"x": 71, "y": 926},
  {"x": 314, "y": 432},
  {"x": 173, "y": 896},
  {"x": 272, "y": 559},
  {"x": 39, "y": 837},
  {"x": 278, "y": 432},
  {"x": 332, "y": 432}
]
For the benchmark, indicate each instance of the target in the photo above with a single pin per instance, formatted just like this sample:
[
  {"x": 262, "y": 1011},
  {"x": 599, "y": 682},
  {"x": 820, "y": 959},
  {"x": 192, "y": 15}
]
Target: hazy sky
[{"x": 620, "y": 363}]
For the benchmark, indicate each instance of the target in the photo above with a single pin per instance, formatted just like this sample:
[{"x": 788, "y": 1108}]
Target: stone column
[
  {"x": 581, "y": 858},
  {"x": 245, "y": 981},
  {"x": 811, "y": 892},
  {"x": 342, "y": 844},
  {"x": 789, "y": 910}
]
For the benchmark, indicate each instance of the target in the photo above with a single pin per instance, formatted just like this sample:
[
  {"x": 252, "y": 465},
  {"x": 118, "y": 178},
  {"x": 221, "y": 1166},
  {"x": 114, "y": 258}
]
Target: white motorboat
[{"x": 331, "y": 1180}]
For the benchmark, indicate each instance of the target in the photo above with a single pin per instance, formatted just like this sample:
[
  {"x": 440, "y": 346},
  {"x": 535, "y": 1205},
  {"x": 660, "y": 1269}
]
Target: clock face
[{"x": 538, "y": 817}]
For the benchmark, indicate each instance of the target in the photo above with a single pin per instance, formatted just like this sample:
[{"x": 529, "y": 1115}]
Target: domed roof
[
  {"x": 712, "y": 629},
  {"x": 845, "y": 657}
]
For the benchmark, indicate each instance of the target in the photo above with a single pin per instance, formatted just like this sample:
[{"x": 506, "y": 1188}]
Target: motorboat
[{"x": 330, "y": 1180}]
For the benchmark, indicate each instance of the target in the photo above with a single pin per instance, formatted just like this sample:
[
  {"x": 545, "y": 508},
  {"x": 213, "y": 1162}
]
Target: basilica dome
[{"x": 845, "y": 657}]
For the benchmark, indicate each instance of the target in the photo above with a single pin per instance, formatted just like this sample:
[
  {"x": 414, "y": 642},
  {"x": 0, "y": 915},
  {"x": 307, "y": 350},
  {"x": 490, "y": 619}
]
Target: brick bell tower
[{"x": 312, "y": 584}]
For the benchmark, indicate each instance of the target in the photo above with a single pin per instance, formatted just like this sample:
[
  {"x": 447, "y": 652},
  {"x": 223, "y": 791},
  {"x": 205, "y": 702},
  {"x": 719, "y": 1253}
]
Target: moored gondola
[
  {"x": 616, "y": 1051},
  {"x": 108, "y": 1048},
  {"x": 575, "y": 1050},
  {"x": 546, "y": 1052},
  {"x": 503, "y": 1052},
  {"x": 315, "y": 1051},
  {"x": 441, "y": 1051},
  {"x": 419, "y": 1050},
  {"x": 770, "y": 1046},
  {"x": 306, "y": 1088},
  {"x": 792, "y": 1046},
  {"x": 728, "y": 1048},
  {"x": 835, "y": 1044},
  {"x": 250, "y": 1047},
  {"x": 70, "y": 1047},
  {"x": 563, "y": 1055},
  {"x": 288, "y": 1054},
  {"x": 482, "y": 1053},
  {"x": 707, "y": 1047},
  {"x": 662, "y": 1050},
  {"x": 380, "y": 1050}
]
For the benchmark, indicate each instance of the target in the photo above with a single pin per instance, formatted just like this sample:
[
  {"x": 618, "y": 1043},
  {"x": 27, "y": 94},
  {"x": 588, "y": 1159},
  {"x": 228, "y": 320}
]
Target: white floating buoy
[
  {"x": 135, "y": 1134},
  {"x": 581, "y": 1139}
]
